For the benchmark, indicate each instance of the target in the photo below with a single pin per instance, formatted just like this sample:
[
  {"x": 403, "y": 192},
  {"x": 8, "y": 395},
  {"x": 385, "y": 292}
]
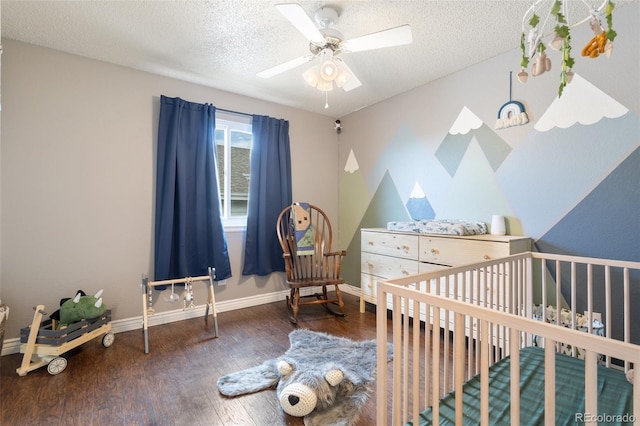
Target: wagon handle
[
  {"x": 41, "y": 311},
  {"x": 29, "y": 347}
]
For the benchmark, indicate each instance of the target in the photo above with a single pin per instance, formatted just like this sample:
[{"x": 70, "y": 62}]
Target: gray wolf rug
[{"x": 323, "y": 378}]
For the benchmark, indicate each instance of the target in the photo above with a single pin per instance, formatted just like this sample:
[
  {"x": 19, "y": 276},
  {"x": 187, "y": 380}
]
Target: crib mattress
[{"x": 615, "y": 394}]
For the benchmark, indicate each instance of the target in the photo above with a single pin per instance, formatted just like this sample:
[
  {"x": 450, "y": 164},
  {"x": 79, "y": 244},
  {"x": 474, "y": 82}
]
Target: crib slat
[
  {"x": 427, "y": 354},
  {"x": 549, "y": 382},
  {"x": 514, "y": 338},
  {"x": 627, "y": 312},
  {"x": 590, "y": 383},
  {"x": 405, "y": 358},
  {"x": 558, "y": 295},
  {"x": 435, "y": 361},
  {"x": 484, "y": 374},
  {"x": 446, "y": 361},
  {"x": 459, "y": 364},
  {"x": 636, "y": 397},
  {"x": 590, "y": 297},
  {"x": 573, "y": 304},
  {"x": 398, "y": 387},
  {"x": 607, "y": 295},
  {"x": 415, "y": 373},
  {"x": 381, "y": 336}
]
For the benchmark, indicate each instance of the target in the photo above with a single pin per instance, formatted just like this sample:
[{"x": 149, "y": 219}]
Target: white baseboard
[{"x": 12, "y": 346}]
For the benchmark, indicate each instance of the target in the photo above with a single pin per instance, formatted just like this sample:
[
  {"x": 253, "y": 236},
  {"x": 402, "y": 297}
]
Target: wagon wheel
[
  {"x": 108, "y": 339},
  {"x": 57, "y": 365}
]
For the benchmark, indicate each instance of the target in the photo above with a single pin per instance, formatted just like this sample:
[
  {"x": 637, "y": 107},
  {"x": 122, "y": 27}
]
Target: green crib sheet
[{"x": 615, "y": 400}]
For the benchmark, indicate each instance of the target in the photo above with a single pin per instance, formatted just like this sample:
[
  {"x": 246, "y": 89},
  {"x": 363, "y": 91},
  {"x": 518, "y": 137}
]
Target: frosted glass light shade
[
  {"x": 324, "y": 85},
  {"x": 343, "y": 75},
  {"x": 311, "y": 76},
  {"x": 329, "y": 70}
]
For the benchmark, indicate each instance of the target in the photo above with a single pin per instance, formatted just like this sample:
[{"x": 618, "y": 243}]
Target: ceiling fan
[{"x": 329, "y": 44}]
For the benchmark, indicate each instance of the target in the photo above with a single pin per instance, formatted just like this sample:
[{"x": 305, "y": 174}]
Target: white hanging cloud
[
  {"x": 581, "y": 102},
  {"x": 352, "y": 164},
  {"x": 465, "y": 122}
]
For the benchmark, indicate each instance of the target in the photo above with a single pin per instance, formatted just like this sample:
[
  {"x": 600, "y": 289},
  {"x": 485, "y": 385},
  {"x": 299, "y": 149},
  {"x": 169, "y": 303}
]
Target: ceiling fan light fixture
[
  {"x": 328, "y": 67},
  {"x": 312, "y": 75},
  {"x": 329, "y": 70},
  {"x": 324, "y": 85},
  {"x": 343, "y": 74}
]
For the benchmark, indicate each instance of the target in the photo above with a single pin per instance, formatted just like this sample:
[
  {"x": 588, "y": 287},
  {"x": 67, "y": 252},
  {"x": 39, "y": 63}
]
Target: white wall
[{"x": 78, "y": 171}]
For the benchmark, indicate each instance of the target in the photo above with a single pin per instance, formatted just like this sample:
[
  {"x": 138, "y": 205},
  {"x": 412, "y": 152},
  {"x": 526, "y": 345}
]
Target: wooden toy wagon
[{"x": 42, "y": 344}]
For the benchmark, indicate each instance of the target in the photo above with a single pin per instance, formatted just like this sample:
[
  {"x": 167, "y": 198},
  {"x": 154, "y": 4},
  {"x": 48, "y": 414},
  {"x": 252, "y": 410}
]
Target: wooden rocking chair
[{"x": 313, "y": 265}]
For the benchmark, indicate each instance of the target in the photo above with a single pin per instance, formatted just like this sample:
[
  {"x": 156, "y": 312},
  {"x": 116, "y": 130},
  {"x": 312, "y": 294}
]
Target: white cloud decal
[
  {"x": 581, "y": 102},
  {"x": 465, "y": 122}
]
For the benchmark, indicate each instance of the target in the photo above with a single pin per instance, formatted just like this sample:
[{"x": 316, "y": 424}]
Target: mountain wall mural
[{"x": 555, "y": 185}]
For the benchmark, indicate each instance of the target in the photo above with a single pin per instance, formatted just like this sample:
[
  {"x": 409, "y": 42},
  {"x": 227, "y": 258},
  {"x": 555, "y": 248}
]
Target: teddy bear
[{"x": 322, "y": 378}]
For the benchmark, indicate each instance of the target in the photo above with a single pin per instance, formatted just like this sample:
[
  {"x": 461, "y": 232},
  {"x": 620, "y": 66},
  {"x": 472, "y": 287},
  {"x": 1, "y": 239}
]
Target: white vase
[{"x": 498, "y": 225}]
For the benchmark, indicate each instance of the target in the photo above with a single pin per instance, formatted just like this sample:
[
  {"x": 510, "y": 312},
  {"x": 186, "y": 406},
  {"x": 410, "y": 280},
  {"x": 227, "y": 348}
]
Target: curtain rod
[{"x": 233, "y": 112}]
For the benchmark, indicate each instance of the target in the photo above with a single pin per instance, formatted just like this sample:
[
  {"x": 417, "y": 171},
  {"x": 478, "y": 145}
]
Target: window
[{"x": 233, "y": 150}]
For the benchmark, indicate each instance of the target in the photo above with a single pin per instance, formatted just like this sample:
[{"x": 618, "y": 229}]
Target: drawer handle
[
  {"x": 434, "y": 252},
  {"x": 405, "y": 247},
  {"x": 370, "y": 243},
  {"x": 370, "y": 264},
  {"x": 405, "y": 272},
  {"x": 370, "y": 285},
  {"x": 487, "y": 257}
]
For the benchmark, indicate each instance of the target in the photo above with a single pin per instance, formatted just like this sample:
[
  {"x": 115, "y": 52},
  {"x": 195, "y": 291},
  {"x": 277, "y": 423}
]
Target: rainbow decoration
[{"x": 511, "y": 113}]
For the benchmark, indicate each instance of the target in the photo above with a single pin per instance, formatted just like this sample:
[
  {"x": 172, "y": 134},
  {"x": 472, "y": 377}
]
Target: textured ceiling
[{"x": 223, "y": 44}]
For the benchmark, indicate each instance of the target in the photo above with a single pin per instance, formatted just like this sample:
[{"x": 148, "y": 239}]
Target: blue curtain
[
  {"x": 189, "y": 236},
  {"x": 269, "y": 193}
]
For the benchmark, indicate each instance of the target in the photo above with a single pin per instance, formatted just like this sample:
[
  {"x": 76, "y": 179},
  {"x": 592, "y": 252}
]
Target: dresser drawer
[
  {"x": 387, "y": 266},
  {"x": 368, "y": 287},
  {"x": 389, "y": 244},
  {"x": 458, "y": 251}
]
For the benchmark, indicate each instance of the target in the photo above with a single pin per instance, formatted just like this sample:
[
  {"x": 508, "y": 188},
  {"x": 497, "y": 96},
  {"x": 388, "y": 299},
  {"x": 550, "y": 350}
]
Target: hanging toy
[
  {"x": 541, "y": 64},
  {"x": 188, "y": 295},
  {"x": 150, "y": 309},
  {"x": 173, "y": 297},
  {"x": 602, "y": 41},
  {"x": 511, "y": 113},
  {"x": 598, "y": 44}
]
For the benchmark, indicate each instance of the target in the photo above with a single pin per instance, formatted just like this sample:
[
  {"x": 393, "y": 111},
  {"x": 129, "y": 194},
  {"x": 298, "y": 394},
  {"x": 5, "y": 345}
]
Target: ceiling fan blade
[
  {"x": 396, "y": 36},
  {"x": 303, "y": 23},
  {"x": 278, "y": 69},
  {"x": 353, "y": 82}
]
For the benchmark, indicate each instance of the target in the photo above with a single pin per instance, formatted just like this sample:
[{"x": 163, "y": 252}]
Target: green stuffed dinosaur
[{"x": 81, "y": 307}]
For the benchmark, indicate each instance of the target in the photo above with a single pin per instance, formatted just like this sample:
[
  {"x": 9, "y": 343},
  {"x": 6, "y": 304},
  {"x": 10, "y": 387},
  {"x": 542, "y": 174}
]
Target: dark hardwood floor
[{"x": 175, "y": 384}]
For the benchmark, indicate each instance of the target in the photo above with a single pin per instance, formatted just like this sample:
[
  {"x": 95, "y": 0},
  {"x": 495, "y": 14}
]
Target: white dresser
[{"x": 391, "y": 254}]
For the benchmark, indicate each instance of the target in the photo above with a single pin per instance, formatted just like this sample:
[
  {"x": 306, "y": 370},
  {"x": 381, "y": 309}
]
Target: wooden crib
[{"x": 498, "y": 343}]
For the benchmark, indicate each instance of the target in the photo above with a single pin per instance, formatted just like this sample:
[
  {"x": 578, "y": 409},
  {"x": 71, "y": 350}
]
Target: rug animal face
[
  {"x": 302, "y": 391},
  {"x": 323, "y": 378}
]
